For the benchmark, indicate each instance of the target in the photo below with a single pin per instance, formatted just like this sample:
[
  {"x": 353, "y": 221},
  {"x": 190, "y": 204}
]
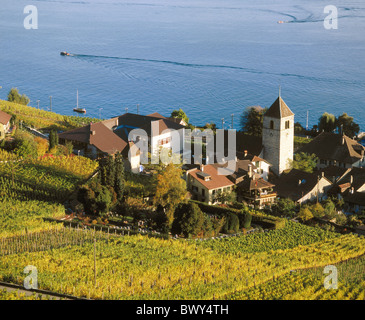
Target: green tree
[
  {"x": 232, "y": 223},
  {"x": 252, "y": 119},
  {"x": 284, "y": 207},
  {"x": 247, "y": 220},
  {"x": 96, "y": 198},
  {"x": 170, "y": 190},
  {"x": 53, "y": 139},
  {"x": 69, "y": 147},
  {"x": 189, "y": 220},
  {"x": 226, "y": 197},
  {"x": 15, "y": 96},
  {"x": 24, "y": 145},
  {"x": 346, "y": 125},
  {"x": 329, "y": 208},
  {"x": 327, "y": 122},
  {"x": 211, "y": 126},
  {"x": 107, "y": 171},
  {"x": 180, "y": 114},
  {"x": 305, "y": 214},
  {"x": 318, "y": 210},
  {"x": 304, "y": 162},
  {"x": 119, "y": 175}
]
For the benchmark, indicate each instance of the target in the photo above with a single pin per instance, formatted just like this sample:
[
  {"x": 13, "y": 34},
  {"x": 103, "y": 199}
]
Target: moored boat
[
  {"x": 77, "y": 109},
  {"x": 80, "y": 110}
]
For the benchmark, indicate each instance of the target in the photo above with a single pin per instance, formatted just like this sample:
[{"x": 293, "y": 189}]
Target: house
[
  {"x": 301, "y": 186},
  {"x": 204, "y": 183},
  {"x": 262, "y": 167},
  {"x": 256, "y": 191},
  {"x": 94, "y": 140},
  {"x": 154, "y": 132},
  {"x": 351, "y": 188},
  {"x": 250, "y": 185},
  {"x": 133, "y": 135},
  {"x": 334, "y": 149},
  {"x": 4, "y": 123}
]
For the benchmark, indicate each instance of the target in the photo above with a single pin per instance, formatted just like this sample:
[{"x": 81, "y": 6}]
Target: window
[
  {"x": 287, "y": 124},
  {"x": 271, "y": 124},
  {"x": 203, "y": 192}
]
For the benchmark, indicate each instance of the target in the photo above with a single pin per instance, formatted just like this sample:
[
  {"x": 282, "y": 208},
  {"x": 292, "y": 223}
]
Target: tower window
[
  {"x": 287, "y": 124},
  {"x": 271, "y": 124}
]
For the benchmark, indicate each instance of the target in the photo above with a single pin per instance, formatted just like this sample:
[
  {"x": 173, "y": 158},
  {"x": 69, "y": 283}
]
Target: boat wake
[{"x": 210, "y": 66}]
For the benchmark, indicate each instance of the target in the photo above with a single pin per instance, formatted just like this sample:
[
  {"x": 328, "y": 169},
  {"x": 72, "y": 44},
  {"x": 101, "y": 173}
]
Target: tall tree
[
  {"x": 327, "y": 122},
  {"x": 170, "y": 190},
  {"x": 346, "y": 125},
  {"x": 119, "y": 175},
  {"x": 107, "y": 171},
  {"x": 53, "y": 139},
  {"x": 252, "y": 120}
]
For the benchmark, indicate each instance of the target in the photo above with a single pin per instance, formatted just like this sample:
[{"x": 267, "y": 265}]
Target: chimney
[
  {"x": 250, "y": 170},
  {"x": 351, "y": 179},
  {"x": 202, "y": 168},
  {"x": 92, "y": 132},
  {"x": 245, "y": 152},
  {"x": 343, "y": 140},
  {"x": 300, "y": 182},
  {"x": 322, "y": 174}
]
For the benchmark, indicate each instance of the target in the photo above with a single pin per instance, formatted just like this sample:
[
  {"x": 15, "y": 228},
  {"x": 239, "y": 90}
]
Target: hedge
[{"x": 266, "y": 221}]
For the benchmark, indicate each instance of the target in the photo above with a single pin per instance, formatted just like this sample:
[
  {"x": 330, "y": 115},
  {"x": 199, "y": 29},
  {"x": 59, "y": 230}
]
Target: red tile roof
[
  {"x": 4, "y": 117},
  {"x": 216, "y": 181},
  {"x": 98, "y": 135}
]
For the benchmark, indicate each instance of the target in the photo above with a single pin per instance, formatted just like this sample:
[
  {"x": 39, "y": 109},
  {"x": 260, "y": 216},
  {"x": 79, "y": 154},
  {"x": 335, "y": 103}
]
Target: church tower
[{"x": 278, "y": 136}]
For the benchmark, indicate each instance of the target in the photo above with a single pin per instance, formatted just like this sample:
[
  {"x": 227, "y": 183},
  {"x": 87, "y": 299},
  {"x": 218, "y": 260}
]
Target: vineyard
[
  {"x": 285, "y": 263},
  {"x": 42, "y": 119},
  {"x": 138, "y": 267},
  {"x": 33, "y": 189},
  {"x": 291, "y": 236},
  {"x": 45, "y": 179},
  {"x": 308, "y": 285}
]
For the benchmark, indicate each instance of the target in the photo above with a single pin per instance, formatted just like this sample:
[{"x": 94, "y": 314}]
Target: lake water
[{"x": 211, "y": 58}]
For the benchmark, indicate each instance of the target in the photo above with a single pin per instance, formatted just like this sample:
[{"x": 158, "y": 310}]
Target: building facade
[{"x": 278, "y": 136}]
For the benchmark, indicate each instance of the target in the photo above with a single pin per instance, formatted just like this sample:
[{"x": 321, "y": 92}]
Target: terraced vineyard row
[
  {"x": 136, "y": 267},
  {"x": 309, "y": 285}
]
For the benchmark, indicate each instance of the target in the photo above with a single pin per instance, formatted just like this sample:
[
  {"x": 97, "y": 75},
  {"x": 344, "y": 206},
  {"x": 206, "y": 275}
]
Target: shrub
[
  {"x": 188, "y": 220},
  {"x": 232, "y": 223}
]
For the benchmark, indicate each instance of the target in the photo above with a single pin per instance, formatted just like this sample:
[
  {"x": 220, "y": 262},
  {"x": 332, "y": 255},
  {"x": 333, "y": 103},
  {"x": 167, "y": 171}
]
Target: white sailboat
[{"x": 77, "y": 109}]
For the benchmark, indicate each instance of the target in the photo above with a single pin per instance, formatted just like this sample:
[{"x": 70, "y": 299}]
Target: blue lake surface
[{"x": 211, "y": 58}]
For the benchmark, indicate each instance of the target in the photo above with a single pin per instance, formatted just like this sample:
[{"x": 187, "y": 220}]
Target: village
[{"x": 320, "y": 182}]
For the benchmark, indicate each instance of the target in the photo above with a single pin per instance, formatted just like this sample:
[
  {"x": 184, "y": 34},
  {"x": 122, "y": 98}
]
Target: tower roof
[{"x": 279, "y": 110}]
